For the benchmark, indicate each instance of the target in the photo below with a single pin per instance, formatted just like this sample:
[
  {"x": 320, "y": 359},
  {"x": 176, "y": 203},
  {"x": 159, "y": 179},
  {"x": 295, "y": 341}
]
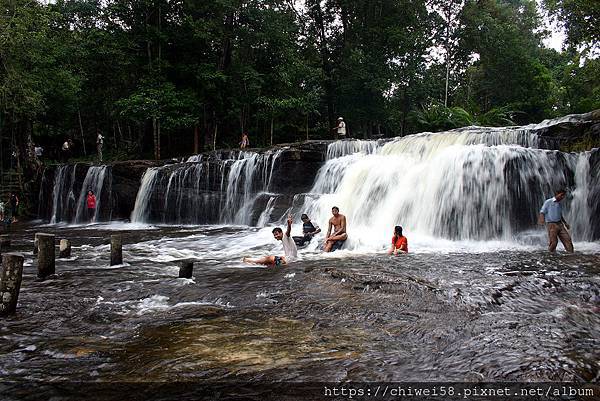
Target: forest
[{"x": 164, "y": 78}]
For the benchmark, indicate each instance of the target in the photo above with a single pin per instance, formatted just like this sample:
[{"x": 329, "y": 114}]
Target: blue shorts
[{"x": 278, "y": 261}]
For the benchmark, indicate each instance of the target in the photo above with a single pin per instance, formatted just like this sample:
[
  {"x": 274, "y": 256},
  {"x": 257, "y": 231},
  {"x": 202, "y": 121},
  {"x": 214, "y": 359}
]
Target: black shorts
[{"x": 278, "y": 261}]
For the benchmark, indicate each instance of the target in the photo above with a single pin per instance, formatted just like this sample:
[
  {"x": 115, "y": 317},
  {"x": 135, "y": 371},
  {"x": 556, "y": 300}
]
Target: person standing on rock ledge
[
  {"x": 99, "y": 145},
  {"x": 289, "y": 248},
  {"x": 340, "y": 129},
  {"x": 551, "y": 214}
]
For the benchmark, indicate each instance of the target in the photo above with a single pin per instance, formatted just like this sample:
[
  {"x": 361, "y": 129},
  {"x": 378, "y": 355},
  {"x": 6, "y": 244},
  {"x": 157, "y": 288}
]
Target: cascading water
[
  {"x": 469, "y": 184},
  {"x": 94, "y": 181},
  {"x": 248, "y": 179},
  {"x": 63, "y": 196},
  {"x": 205, "y": 191}
]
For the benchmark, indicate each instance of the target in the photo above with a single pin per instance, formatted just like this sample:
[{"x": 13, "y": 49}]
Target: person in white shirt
[
  {"x": 289, "y": 248},
  {"x": 340, "y": 128}
]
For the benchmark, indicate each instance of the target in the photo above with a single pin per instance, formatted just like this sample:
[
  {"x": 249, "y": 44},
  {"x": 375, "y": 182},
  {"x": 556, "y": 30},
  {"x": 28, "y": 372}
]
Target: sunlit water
[{"x": 449, "y": 310}]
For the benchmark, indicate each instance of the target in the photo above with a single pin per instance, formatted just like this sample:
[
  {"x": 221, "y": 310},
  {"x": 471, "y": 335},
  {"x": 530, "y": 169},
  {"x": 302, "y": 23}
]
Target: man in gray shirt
[{"x": 551, "y": 214}]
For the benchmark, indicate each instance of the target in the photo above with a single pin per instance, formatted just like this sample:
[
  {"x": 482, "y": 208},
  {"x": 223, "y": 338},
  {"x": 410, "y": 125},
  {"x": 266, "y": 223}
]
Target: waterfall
[
  {"x": 248, "y": 178},
  {"x": 206, "y": 190},
  {"x": 63, "y": 196},
  {"x": 268, "y": 211},
  {"x": 141, "y": 210},
  {"x": 469, "y": 184},
  {"x": 579, "y": 214},
  {"x": 94, "y": 181}
]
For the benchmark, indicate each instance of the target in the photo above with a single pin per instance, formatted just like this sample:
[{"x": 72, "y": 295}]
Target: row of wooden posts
[{"x": 44, "y": 247}]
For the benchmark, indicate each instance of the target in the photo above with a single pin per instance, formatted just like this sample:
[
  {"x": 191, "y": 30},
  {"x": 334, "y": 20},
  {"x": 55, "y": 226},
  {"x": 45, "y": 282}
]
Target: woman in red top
[
  {"x": 91, "y": 205},
  {"x": 399, "y": 242}
]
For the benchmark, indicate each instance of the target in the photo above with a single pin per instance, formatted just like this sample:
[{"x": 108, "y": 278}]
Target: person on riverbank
[
  {"x": 13, "y": 201},
  {"x": 340, "y": 129},
  {"x": 245, "y": 141},
  {"x": 557, "y": 227},
  {"x": 399, "y": 242},
  {"x": 309, "y": 230},
  {"x": 336, "y": 240},
  {"x": 91, "y": 205},
  {"x": 289, "y": 248}
]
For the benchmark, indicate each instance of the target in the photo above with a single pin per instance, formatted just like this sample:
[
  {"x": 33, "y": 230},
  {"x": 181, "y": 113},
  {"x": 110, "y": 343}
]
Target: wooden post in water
[
  {"x": 64, "y": 249},
  {"x": 116, "y": 249},
  {"x": 46, "y": 254},
  {"x": 186, "y": 269},
  {"x": 10, "y": 282},
  {"x": 4, "y": 241},
  {"x": 35, "y": 244}
]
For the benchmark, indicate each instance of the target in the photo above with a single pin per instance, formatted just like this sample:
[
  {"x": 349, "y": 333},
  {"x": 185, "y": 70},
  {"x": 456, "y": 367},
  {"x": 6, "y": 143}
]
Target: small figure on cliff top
[
  {"x": 309, "y": 229},
  {"x": 245, "y": 141},
  {"x": 289, "y": 248},
  {"x": 99, "y": 144},
  {"x": 66, "y": 150},
  {"x": 551, "y": 214},
  {"x": 336, "y": 240},
  {"x": 340, "y": 128},
  {"x": 399, "y": 242}
]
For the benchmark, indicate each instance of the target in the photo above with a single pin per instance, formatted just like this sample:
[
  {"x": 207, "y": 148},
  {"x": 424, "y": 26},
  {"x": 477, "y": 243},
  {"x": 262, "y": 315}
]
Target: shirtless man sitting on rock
[{"x": 338, "y": 222}]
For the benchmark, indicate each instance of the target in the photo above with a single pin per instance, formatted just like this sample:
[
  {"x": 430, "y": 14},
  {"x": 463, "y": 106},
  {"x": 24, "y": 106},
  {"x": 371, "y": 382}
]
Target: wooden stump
[
  {"x": 46, "y": 254},
  {"x": 10, "y": 282},
  {"x": 116, "y": 249},
  {"x": 35, "y": 244},
  {"x": 64, "y": 249},
  {"x": 4, "y": 241},
  {"x": 186, "y": 269}
]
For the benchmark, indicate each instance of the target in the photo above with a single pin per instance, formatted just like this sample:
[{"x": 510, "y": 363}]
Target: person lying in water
[
  {"x": 309, "y": 230},
  {"x": 289, "y": 248},
  {"x": 338, "y": 222},
  {"x": 399, "y": 242}
]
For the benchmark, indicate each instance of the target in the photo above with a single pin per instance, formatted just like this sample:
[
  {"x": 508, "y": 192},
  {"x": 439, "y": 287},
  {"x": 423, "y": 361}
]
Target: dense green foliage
[{"x": 165, "y": 78}]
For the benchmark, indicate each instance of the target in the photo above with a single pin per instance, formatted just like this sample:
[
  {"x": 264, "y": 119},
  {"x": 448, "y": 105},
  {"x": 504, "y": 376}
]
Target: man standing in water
[
  {"x": 289, "y": 248},
  {"x": 551, "y": 214},
  {"x": 338, "y": 222}
]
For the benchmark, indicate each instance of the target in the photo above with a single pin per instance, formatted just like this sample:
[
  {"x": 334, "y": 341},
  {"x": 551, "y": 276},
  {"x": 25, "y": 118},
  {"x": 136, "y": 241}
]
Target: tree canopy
[{"x": 164, "y": 78}]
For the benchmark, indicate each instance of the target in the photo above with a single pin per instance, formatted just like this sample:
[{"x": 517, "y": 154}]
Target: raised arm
[
  {"x": 542, "y": 216},
  {"x": 289, "y": 226}
]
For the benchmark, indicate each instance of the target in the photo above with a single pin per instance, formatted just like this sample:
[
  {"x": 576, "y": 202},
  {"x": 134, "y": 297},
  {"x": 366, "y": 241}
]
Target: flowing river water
[{"x": 478, "y": 311}]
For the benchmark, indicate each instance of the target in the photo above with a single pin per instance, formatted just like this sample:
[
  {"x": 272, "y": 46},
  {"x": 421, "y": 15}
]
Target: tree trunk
[
  {"x": 155, "y": 138},
  {"x": 196, "y": 139},
  {"x": 307, "y": 126},
  {"x": 81, "y": 130},
  {"x": 271, "y": 130},
  {"x": 317, "y": 13},
  {"x": 158, "y": 138},
  {"x": 215, "y": 136}
]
